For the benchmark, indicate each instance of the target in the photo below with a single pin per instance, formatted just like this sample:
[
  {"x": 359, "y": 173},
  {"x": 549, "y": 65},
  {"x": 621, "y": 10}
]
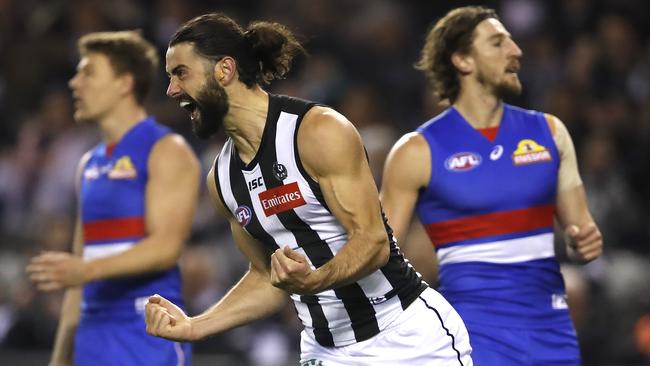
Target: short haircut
[{"x": 127, "y": 52}]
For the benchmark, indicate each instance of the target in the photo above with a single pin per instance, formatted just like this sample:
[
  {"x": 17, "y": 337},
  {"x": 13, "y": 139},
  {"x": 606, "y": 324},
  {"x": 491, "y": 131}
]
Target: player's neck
[
  {"x": 246, "y": 119},
  {"x": 481, "y": 108},
  {"x": 120, "y": 120}
]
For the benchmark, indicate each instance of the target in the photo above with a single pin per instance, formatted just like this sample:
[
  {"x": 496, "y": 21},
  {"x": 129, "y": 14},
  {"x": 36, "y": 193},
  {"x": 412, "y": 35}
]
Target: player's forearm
[
  {"x": 151, "y": 254},
  {"x": 64, "y": 341},
  {"x": 251, "y": 299},
  {"x": 360, "y": 256}
]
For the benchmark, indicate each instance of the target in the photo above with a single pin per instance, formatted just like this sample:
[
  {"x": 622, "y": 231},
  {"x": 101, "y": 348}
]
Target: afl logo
[
  {"x": 243, "y": 215},
  {"x": 462, "y": 162}
]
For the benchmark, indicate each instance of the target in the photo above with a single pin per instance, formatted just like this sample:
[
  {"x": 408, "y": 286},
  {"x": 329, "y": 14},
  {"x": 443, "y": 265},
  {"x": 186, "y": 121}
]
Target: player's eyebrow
[
  {"x": 176, "y": 70},
  {"x": 499, "y": 35}
]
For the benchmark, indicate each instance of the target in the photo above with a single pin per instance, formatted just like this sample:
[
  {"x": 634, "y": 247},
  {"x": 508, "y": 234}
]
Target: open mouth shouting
[{"x": 190, "y": 105}]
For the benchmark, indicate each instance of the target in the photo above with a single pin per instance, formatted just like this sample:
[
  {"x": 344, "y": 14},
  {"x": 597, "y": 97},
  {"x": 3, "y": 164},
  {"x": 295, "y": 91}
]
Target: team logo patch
[
  {"x": 463, "y": 161},
  {"x": 243, "y": 215},
  {"x": 279, "y": 171},
  {"x": 123, "y": 169},
  {"x": 529, "y": 151},
  {"x": 282, "y": 198}
]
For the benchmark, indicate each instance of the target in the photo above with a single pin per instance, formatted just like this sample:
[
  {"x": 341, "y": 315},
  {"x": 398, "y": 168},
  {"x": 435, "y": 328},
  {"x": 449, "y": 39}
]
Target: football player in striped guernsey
[
  {"x": 295, "y": 185},
  {"x": 137, "y": 193},
  {"x": 487, "y": 180}
]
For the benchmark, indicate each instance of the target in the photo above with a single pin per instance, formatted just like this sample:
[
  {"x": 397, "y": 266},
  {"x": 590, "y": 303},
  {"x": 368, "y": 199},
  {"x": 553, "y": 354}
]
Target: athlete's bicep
[
  {"x": 407, "y": 170},
  {"x": 172, "y": 191},
  {"x": 332, "y": 153},
  {"x": 568, "y": 175}
]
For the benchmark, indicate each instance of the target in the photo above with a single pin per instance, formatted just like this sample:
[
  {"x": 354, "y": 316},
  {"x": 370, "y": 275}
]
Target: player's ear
[
  {"x": 463, "y": 62},
  {"x": 127, "y": 83},
  {"x": 225, "y": 70}
]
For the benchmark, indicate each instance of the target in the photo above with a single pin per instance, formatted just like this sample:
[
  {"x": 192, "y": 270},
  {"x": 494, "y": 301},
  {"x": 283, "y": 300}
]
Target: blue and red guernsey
[
  {"x": 112, "y": 194},
  {"x": 488, "y": 210}
]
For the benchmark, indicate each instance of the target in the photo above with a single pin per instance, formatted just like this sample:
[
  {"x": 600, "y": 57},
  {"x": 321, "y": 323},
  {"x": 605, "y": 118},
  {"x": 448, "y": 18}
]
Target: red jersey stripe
[
  {"x": 114, "y": 229},
  {"x": 490, "y": 133},
  {"x": 497, "y": 223}
]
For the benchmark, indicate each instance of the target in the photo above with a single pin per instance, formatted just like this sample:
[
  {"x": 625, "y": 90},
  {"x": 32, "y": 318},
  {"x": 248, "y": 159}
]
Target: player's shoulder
[
  {"x": 412, "y": 144},
  {"x": 172, "y": 142},
  {"x": 173, "y": 148},
  {"x": 436, "y": 121},
  {"x": 533, "y": 116},
  {"x": 520, "y": 110},
  {"x": 325, "y": 127}
]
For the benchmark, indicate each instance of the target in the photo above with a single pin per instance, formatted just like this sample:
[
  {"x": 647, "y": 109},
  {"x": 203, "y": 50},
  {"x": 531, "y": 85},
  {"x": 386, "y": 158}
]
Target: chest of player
[
  {"x": 517, "y": 169},
  {"x": 275, "y": 203},
  {"x": 113, "y": 186}
]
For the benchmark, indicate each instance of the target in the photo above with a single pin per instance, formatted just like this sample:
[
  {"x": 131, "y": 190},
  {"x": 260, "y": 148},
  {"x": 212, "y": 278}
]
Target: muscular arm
[
  {"x": 252, "y": 298},
  {"x": 572, "y": 212},
  {"x": 332, "y": 153},
  {"x": 171, "y": 195},
  {"x": 407, "y": 170}
]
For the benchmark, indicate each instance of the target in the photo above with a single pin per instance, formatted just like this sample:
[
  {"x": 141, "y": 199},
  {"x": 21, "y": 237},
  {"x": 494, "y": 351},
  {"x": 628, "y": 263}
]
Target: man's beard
[
  {"x": 502, "y": 89},
  {"x": 507, "y": 90},
  {"x": 212, "y": 104}
]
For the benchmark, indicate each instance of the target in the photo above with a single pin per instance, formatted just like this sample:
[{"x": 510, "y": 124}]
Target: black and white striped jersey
[{"x": 278, "y": 203}]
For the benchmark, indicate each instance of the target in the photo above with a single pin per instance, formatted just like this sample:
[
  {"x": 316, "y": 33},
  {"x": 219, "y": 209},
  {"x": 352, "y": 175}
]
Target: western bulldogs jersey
[
  {"x": 278, "y": 203},
  {"x": 112, "y": 196},
  {"x": 489, "y": 209}
]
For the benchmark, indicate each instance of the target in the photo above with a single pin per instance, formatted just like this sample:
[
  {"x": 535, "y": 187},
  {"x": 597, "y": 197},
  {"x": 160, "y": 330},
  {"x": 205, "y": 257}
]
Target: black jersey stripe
[
  {"x": 313, "y": 185},
  {"x": 240, "y": 192},
  {"x": 360, "y": 311},
  {"x": 402, "y": 277},
  {"x": 319, "y": 320}
]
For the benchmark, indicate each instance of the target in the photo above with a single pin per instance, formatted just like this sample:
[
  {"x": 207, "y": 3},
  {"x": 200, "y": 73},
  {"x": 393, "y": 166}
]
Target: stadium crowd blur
[{"x": 588, "y": 62}]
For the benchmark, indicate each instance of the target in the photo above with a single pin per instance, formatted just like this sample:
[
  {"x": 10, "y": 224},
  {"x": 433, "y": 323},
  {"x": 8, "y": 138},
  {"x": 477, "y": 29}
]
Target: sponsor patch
[
  {"x": 282, "y": 198},
  {"x": 243, "y": 215},
  {"x": 529, "y": 151},
  {"x": 496, "y": 153},
  {"x": 463, "y": 161},
  {"x": 123, "y": 169}
]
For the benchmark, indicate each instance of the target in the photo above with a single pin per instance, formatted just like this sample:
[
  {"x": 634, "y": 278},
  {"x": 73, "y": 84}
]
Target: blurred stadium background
[{"x": 587, "y": 62}]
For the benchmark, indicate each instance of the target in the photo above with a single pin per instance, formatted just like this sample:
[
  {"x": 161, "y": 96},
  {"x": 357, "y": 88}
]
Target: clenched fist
[{"x": 166, "y": 320}]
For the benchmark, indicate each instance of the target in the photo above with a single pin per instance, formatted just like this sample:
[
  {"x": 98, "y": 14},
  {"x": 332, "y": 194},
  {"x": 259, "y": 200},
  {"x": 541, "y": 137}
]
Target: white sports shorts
[{"x": 428, "y": 333}]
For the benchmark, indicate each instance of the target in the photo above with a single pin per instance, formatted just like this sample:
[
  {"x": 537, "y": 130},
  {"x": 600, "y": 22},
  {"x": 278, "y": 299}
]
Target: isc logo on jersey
[
  {"x": 463, "y": 161},
  {"x": 529, "y": 151}
]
